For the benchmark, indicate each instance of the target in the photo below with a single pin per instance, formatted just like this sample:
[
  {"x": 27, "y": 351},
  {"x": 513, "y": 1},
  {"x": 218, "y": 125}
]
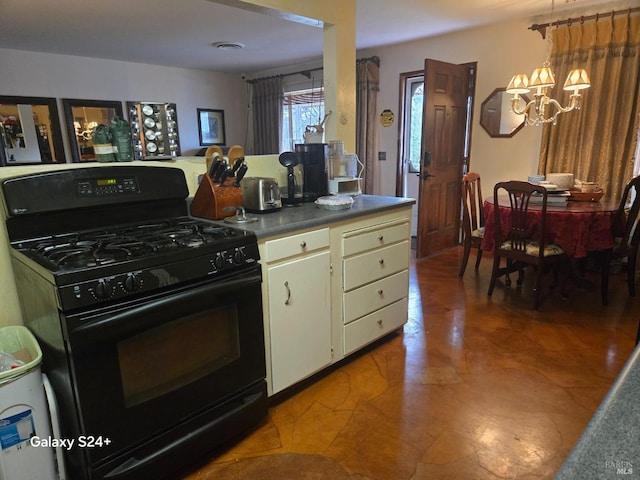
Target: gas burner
[
  {"x": 218, "y": 232},
  {"x": 67, "y": 255}
]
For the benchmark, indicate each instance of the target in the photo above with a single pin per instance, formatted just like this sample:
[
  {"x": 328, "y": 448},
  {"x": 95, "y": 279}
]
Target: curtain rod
[
  {"x": 373, "y": 59},
  {"x": 542, "y": 27},
  {"x": 307, "y": 72}
]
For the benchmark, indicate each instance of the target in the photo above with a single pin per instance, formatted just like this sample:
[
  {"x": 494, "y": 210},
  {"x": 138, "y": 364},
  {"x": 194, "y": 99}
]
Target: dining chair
[
  {"x": 626, "y": 238},
  {"x": 472, "y": 219},
  {"x": 519, "y": 241}
]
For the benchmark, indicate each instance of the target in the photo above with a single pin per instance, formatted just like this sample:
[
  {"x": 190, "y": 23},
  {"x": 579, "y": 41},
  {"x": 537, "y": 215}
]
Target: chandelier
[{"x": 543, "y": 109}]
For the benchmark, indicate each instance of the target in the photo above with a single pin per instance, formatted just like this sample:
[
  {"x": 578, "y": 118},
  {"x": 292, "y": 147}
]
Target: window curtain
[
  {"x": 596, "y": 143},
  {"x": 267, "y": 101},
  {"x": 367, "y": 87}
]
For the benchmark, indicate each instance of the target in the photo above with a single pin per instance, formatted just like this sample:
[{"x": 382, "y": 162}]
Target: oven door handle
[{"x": 108, "y": 325}]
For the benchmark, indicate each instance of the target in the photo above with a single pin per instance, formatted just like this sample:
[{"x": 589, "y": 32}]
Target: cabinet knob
[
  {"x": 381, "y": 261},
  {"x": 381, "y": 238},
  {"x": 303, "y": 244},
  {"x": 380, "y": 323},
  {"x": 380, "y": 292}
]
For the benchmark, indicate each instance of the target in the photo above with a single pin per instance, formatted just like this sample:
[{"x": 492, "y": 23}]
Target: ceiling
[{"x": 181, "y": 33}]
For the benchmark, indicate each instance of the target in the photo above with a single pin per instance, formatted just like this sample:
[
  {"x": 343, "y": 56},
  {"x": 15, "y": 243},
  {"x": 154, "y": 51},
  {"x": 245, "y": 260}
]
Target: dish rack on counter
[{"x": 154, "y": 130}]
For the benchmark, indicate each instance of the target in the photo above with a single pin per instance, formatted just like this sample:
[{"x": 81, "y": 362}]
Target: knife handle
[
  {"x": 239, "y": 161},
  {"x": 225, "y": 174},
  {"x": 241, "y": 172},
  {"x": 214, "y": 168}
]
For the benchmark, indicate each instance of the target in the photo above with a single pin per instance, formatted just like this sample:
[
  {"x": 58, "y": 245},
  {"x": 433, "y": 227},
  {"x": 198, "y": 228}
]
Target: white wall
[
  {"x": 62, "y": 76},
  {"x": 500, "y": 51}
]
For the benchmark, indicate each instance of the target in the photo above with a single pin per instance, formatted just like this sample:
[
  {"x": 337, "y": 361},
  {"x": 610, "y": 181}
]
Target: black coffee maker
[
  {"x": 293, "y": 196},
  {"x": 314, "y": 160}
]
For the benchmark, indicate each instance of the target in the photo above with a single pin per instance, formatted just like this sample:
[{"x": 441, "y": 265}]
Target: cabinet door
[{"x": 299, "y": 319}]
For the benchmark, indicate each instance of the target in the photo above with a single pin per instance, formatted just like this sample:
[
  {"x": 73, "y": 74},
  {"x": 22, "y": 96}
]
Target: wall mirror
[
  {"x": 496, "y": 116},
  {"x": 81, "y": 119},
  {"x": 30, "y": 131}
]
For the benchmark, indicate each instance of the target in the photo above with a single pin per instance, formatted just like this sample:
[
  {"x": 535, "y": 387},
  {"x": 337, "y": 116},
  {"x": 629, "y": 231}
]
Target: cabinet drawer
[
  {"x": 369, "y": 267},
  {"x": 373, "y": 326},
  {"x": 361, "y": 241},
  {"x": 296, "y": 245},
  {"x": 364, "y": 300}
]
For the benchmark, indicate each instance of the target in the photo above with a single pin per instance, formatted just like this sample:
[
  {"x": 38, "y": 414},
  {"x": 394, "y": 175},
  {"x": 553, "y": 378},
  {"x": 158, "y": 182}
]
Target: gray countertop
[
  {"x": 610, "y": 445},
  {"x": 308, "y": 215}
]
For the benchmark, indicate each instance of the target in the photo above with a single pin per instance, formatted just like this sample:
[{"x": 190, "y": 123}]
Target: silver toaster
[{"x": 260, "y": 194}]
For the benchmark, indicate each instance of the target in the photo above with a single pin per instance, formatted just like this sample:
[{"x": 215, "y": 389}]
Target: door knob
[{"x": 425, "y": 175}]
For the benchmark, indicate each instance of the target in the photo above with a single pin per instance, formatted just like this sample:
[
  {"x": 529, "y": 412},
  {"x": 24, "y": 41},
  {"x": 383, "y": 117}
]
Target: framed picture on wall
[{"x": 211, "y": 126}]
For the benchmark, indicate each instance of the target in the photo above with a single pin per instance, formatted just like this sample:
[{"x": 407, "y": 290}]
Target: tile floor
[{"x": 472, "y": 388}]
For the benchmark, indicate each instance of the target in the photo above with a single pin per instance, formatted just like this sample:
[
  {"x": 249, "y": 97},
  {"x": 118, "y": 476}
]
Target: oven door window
[{"x": 176, "y": 354}]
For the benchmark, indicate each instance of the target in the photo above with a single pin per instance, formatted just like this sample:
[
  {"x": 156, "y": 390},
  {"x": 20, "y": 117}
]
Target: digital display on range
[{"x": 106, "y": 181}]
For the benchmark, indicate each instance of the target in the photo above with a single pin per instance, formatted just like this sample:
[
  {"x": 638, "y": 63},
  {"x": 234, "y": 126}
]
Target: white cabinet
[
  {"x": 298, "y": 307},
  {"x": 328, "y": 292},
  {"x": 375, "y": 281}
]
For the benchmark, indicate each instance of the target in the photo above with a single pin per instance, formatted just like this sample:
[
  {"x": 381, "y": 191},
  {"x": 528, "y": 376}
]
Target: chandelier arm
[
  {"x": 514, "y": 106},
  {"x": 560, "y": 108}
]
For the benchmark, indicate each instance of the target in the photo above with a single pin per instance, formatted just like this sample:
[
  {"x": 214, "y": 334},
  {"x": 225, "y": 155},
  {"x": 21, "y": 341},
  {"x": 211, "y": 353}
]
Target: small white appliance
[{"x": 345, "y": 171}]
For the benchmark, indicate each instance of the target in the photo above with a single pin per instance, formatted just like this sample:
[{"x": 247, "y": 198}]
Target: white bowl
[
  {"x": 535, "y": 178},
  {"x": 563, "y": 181}
]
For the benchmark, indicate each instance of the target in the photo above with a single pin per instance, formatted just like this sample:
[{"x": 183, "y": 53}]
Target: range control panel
[{"x": 100, "y": 187}]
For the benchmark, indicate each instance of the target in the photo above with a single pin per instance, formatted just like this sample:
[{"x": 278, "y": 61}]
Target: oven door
[{"x": 142, "y": 369}]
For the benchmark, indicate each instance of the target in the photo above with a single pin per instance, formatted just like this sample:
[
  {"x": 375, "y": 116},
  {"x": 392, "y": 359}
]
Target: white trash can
[{"x": 24, "y": 412}]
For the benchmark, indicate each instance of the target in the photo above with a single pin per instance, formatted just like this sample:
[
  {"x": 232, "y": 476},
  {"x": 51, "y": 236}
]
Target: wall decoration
[
  {"x": 154, "y": 130},
  {"x": 29, "y": 131},
  {"x": 82, "y": 117},
  {"x": 211, "y": 127},
  {"x": 386, "y": 118}
]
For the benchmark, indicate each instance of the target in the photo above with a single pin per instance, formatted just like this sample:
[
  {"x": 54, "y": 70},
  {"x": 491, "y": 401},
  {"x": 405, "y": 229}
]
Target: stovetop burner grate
[{"x": 109, "y": 245}]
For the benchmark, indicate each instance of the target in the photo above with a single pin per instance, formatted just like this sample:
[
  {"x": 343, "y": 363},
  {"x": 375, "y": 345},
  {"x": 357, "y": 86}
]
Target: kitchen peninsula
[{"x": 333, "y": 282}]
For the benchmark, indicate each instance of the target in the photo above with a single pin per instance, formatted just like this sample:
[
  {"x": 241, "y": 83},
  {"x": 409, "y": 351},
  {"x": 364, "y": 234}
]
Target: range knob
[
  {"x": 219, "y": 261},
  {"x": 238, "y": 257},
  {"x": 103, "y": 290},
  {"x": 132, "y": 283}
]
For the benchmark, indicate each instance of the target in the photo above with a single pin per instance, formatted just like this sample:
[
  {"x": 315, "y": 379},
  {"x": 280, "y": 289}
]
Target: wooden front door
[{"x": 443, "y": 155}]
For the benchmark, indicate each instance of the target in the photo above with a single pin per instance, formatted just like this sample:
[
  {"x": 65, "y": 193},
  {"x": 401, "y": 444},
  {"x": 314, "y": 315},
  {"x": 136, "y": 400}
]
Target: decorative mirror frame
[
  {"x": 68, "y": 104},
  {"x": 54, "y": 126},
  {"x": 490, "y": 121}
]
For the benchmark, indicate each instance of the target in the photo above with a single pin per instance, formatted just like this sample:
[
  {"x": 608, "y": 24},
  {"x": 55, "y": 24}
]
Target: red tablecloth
[{"x": 577, "y": 228}]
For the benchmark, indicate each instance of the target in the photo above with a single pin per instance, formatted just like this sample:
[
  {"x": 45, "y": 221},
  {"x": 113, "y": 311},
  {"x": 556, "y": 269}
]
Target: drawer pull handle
[
  {"x": 288, "y": 300},
  {"x": 381, "y": 238},
  {"x": 381, "y": 261},
  {"x": 303, "y": 244},
  {"x": 380, "y": 292},
  {"x": 380, "y": 322}
]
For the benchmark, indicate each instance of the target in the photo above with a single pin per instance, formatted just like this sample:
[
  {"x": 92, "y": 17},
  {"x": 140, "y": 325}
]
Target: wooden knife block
[{"x": 215, "y": 202}]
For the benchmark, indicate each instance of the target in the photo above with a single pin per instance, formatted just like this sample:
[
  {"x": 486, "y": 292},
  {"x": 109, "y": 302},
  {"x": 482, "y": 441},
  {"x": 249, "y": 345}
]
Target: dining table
[{"x": 577, "y": 227}]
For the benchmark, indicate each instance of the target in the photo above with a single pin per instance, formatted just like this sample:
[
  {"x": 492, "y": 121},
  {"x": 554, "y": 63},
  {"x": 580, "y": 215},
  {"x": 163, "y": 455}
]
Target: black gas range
[
  {"x": 150, "y": 321},
  {"x": 95, "y": 254}
]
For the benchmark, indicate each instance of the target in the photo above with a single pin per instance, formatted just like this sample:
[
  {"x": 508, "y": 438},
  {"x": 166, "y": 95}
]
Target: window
[
  {"x": 412, "y": 133},
  {"x": 301, "y": 108}
]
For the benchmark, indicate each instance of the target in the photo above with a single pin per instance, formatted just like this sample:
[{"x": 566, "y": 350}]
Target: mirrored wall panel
[
  {"x": 30, "y": 131},
  {"x": 81, "y": 119},
  {"x": 154, "y": 130}
]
